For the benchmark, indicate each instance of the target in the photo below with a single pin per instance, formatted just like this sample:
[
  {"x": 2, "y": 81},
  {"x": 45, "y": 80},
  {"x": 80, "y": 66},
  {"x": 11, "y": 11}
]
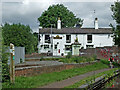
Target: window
[
  {"x": 46, "y": 46},
  {"x": 89, "y": 38},
  {"x": 68, "y": 47},
  {"x": 68, "y": 38},
  {"x": 47, "y": 38},
  {"x": 89, "y": 46},
  {"x": 55, "y": 47}
]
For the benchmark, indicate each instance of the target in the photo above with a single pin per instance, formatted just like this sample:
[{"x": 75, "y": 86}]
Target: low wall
[
  {"x": 35, "y": 55},
  {"x": 102, "y": 52},
  {"x": 47, "y": 69}
]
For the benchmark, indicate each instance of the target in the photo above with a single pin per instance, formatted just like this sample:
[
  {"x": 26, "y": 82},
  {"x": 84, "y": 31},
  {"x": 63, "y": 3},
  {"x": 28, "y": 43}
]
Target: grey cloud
[{"x": 28, "y": 14}]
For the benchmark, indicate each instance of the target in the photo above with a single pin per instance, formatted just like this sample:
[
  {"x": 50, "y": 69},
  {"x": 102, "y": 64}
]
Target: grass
[
  {"x": 77, "y": 59},
  {"x": 91, "y": 78},
  {"x": 43, "y": 79},
  {"x": 70, "y": 59}
]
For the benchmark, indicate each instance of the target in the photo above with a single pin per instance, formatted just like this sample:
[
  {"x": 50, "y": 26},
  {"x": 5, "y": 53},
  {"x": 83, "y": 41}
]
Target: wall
[
  {"x": 98, "y": 40},
  {"x": 47, "y": 69},
  {"x": 101, "y": 52},
  {"x": 103, "y": 40}
]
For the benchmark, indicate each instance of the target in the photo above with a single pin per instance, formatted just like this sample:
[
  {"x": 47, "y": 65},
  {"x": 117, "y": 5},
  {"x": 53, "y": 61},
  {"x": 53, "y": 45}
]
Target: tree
[
  {"x": 4, "y": 60},
  {"x": 36, "y": 41},
  {"x": 51, "y": 15},
  {"x": 116, "y": 16},
  {"x": 19, "y": 35}
]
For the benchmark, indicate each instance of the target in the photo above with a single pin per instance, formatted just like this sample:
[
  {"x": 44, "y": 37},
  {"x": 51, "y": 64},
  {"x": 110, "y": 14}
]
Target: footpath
[{"x": 71, "y": 81}]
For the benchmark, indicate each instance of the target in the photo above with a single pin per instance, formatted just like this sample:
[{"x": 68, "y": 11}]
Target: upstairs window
[
  {"x": 68, "y": 38},
  {"x": 47, "y": 38},
  {"x": 89, "y": 38}
]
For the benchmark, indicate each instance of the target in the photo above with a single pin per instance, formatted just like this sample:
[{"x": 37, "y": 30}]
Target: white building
[{"x": 60, "y": 41}]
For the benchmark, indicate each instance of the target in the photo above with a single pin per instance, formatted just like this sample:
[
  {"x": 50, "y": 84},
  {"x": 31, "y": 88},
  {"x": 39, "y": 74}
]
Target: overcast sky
[{"x": 27, "y": 12}]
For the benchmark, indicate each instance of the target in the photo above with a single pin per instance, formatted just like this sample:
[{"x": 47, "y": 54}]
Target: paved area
[
  {"x": 43, "y": 57},
  {"x": 71, "y": 81},
  {"x": 35, "y": 64},
  {"x": 47, "y": 63}
]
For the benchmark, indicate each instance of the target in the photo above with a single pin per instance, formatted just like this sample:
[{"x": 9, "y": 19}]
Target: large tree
[
  {"x": 19, "y": 35},
  {"x": 51, "y": 15},
  {"x": 116, "y": 16}
]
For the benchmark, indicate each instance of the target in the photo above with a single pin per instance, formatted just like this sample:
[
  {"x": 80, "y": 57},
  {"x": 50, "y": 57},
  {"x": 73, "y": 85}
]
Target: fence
[
  {"x": 19, "y": 55},
  {"x": 100, "y": 84}
]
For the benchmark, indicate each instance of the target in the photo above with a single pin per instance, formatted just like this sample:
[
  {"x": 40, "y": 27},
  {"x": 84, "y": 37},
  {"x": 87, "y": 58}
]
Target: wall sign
[{"x": 57, "y": 37}]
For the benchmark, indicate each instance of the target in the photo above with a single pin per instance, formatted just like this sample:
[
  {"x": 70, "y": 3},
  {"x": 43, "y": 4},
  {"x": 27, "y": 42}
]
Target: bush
[
  {"x": 41, "y": 58},
  {"x": 95, "y": 57},
  {"x": 69, "y": 55},
  {"x": 5, "y": 67}
]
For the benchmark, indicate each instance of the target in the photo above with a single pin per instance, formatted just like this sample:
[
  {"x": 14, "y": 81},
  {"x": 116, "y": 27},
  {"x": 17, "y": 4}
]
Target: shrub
[
  {"x": 41, "y": 58},
  {"x": 95, "y": 57},
  {"x": 5, "y": 67},
  {"x": 69, "y": 55}
]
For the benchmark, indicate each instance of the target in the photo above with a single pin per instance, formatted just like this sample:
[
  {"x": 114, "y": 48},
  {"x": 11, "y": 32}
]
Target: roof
[{"x": 76, "y": 31}]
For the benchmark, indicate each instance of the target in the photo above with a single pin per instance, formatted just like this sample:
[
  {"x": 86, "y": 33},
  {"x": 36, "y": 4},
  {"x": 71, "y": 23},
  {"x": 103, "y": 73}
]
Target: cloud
[{"x": 27, "y": 12}]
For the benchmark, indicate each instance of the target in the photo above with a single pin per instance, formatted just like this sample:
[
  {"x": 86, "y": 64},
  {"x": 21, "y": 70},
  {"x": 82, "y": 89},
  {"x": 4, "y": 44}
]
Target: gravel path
[{"x": 71, "y": 81}]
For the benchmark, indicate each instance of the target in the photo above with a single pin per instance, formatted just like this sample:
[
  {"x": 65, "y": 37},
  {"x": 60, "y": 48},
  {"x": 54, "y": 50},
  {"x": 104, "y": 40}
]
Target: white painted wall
[{"x": 98, "y": 40}]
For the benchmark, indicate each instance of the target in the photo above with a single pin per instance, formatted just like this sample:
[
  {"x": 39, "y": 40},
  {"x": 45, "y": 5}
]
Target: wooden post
[{"x": 12, "y": 67}]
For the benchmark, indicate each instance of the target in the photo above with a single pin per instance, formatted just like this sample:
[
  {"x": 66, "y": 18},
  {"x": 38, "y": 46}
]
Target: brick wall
[
  {"x": 101, "y": 52},
  {"x": 47, "y": 69}
]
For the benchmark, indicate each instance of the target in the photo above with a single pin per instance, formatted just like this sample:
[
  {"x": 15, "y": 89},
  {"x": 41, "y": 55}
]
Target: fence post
[{"x": 12, "y": 66}]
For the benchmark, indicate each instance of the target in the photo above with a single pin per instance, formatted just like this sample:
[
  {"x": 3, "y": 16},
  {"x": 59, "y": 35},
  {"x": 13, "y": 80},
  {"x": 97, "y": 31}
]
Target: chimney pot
[
  {"x": 59, "y": 23},
  {"x": 96, "y": 23}
]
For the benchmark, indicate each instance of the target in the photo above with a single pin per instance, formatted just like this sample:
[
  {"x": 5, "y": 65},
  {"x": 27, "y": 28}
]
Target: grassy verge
[
  {"x": 70, "y": 59},
  {"x": 77, "y": 59},
  {"x": 43, "y": 79},
  {"x": 90, "y": 78}
]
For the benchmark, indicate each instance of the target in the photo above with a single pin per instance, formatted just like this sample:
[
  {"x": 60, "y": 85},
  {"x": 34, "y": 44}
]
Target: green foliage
[
  {"x": 116, "y": 11},
  {"x": 76, "y": 59},
  {"x": 88, "y": 79},
  {"x": 4, "y": 59},
  {"x": 41, "y": 58},
  {"x": 116, "y": 16},
  {"x": 108, "y": 63},
  {"x": 43, "y": 79},
  {"x": 69, "y": 55},
  {"x": 19, "y": 35},
  {"x": 5, "y": 67},
  {"x": 50, "y": 16},
  {"x": 36, "y": 41}
]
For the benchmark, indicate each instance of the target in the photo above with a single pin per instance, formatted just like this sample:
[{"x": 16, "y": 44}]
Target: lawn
[
  {"x": 43, "y": 79},
  {"x": 71, "y": 59},
  {"x": 91, "y": 78}
]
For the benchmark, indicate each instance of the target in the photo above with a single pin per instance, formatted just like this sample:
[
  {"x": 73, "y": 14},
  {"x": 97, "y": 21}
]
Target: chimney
[
  {"x": 96, "y": 23},
  {"x": 58, "y": 24}
]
